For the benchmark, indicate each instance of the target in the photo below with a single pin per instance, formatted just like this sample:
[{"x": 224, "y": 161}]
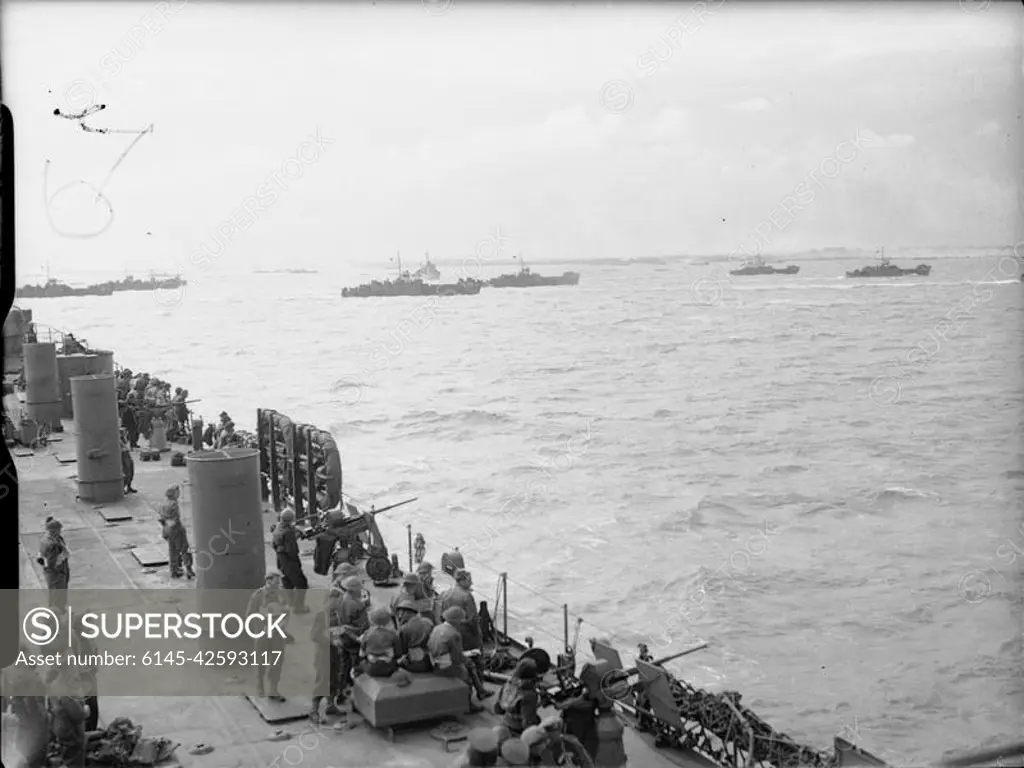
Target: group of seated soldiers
[{"x": 420, "y": 631}]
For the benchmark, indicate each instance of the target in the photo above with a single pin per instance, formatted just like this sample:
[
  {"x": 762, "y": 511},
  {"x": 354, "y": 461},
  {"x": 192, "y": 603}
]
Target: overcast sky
[{"x": 605, "y": 130}]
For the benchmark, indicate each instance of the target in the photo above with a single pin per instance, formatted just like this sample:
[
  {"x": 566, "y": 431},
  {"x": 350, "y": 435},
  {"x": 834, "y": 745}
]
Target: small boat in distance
[
  {"x": 54, "y": 289},
  {"x": 428, "y": 271},
  {"x": 756, "y": 266},
  {"x": 885, "y": 268},
  {"x": 407, "y": 285},
  {"x": 527, "y": 279}
]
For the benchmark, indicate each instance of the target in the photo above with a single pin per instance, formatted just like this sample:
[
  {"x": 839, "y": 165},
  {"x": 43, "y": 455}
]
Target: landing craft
[
  {"x": 757, "y": 267},
  {"x": 527, "y": 279},
  {"x": 411, "y": 285},
  {"x": 887, "y": 269}
]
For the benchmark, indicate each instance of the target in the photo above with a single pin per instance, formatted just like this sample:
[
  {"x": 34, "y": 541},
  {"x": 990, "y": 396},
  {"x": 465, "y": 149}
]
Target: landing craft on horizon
[
  {"x": 885, "y": 268},
  {"x": 413, "y": 285},
  {"x": 527, "y": 279},
  {"x": 756, "y": 266}
]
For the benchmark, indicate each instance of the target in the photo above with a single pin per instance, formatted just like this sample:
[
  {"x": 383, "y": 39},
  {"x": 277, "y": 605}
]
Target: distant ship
[
  {"x": 407, "y": 285},
  {"x": 286, "y": 272},
  {"x": 428, "y": 271},
  {"x": 56, "y": 289},
  {"x": 758, "y": 267},
  {"x": 887, "y": 269},
  {"x": 527, "y": 279}
]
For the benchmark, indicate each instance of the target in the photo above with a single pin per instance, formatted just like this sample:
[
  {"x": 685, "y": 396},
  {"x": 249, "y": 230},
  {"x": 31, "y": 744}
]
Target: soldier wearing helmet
[
  {"x": 380, "y": 647},
  {"x": 461, "y": 595},
  {"x": 353, "y": 621},
  {"x": 446, "y": 656},
  {"x": 286, "y": 545},
  {"x": 53, "y": 556},
  {"x": 178, "y": 553}
]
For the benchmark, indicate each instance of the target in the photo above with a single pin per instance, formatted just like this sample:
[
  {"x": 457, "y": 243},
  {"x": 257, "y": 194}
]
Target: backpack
[{"x": 509, "y": 697}]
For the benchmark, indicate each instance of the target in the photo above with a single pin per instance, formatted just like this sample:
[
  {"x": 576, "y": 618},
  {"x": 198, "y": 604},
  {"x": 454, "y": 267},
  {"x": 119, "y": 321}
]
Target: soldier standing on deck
[
  {"x": 461, "y": 595},
  {"x": 53, "y": 556},
  {"x": 286, "y": 545},
  {"x": 178, "y": 552},
  {"x": 327, "y": 661},
  {"x": 127, "y": 464},
  {"x": 269, "y": 599},
  {"x": 353, "y": 621},
  {"x": 426, "y": 573}
]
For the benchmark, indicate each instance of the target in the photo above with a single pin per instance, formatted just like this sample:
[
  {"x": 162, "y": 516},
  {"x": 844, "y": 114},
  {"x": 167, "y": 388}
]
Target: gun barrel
[
  {"x": 376, "y": 512},
  {"x": 666, "y": 659}
]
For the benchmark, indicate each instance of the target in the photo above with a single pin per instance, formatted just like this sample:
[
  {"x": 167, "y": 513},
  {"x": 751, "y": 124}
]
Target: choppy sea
[{"x": 821, "y": 477}]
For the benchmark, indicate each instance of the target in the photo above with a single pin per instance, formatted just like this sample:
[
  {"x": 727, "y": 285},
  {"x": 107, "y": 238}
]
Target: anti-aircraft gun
[{"x": 347, "y": 534}]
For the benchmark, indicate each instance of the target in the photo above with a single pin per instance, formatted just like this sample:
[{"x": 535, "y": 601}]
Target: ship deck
[{"x": 101, "y": 558}]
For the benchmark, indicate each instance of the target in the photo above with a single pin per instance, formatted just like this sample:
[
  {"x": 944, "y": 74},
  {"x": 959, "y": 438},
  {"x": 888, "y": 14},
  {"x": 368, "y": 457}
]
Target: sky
[{"x": 588, "y": 130}]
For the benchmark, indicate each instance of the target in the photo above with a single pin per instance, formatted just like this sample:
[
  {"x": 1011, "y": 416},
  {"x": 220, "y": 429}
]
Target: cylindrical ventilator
[
  {"x": 42, "y": 384},
  {"x": 98, "y": 437},
  {"x": 227, "y": 523},
  {"x": 69, "y": 366}
]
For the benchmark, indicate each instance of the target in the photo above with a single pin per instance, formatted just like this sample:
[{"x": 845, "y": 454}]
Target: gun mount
[{"x": 351, "y": 535}]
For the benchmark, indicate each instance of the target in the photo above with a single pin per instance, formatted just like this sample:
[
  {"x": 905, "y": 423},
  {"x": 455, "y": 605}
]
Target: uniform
[
  {"x": 127, "y": 464},
  {"x": 178, "y": 552},
  {"x": 351, "y": 613},
  {"x": 413, "y": 636},
  {"x": 445, "y": 648},
  {"x": 461, "y": 597},
  {"x": 53, "y": 553},
  {"x": 286, "y": 545},
  {"x": 327, "y": 663},
  {"x": 273, "y": 647},
  {"x": 380, "y": 648},
  {"x": 518, "y": 703}
]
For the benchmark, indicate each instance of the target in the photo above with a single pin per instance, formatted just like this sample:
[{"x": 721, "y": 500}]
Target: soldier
[
  {"x": 411, "y": 596},
  {"x": 68, "y": 714},
  {"x": 461, "y": 595},
  {"x": 519, "y": 701},
  {"x": 426, "y": 573},
  {"x": 326, "y": 637},
  {"x": 413, "y": 633},
  {"x": 446, "y": 657},
  {"x": 352, "y": 621},
  {"x": 272, "y": 592},
  {"x": 286, "y": 545},
  {"x": 53, "y": 556},
  {"x": 379, "y": 647},
  {"x": 178, "y": 552},
  {"x": 270, "y": 650},
  {"x": 342, "y": 571},
  {"x": 127, "y": 465}
]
